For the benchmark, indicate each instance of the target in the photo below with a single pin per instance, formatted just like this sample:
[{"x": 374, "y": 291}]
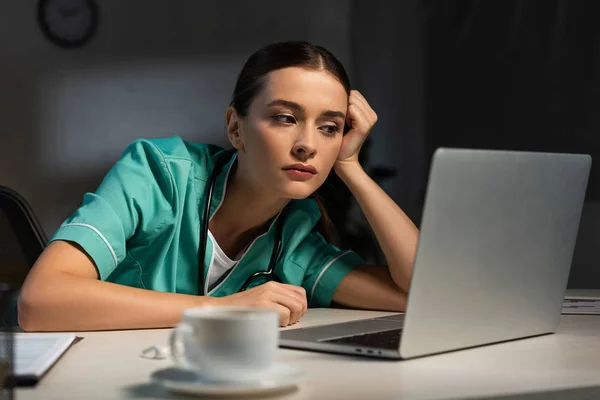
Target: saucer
[{"x": 279, "y": 378}]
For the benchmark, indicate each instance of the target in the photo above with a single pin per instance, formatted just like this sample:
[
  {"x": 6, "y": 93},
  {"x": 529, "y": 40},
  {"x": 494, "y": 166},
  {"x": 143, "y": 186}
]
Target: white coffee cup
[{"x": 226, "y": 343}]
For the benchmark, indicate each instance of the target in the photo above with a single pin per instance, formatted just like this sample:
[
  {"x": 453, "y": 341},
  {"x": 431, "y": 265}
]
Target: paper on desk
[
  {"x": 34, "y": 354},
  {"x": 581, "y": 305}
]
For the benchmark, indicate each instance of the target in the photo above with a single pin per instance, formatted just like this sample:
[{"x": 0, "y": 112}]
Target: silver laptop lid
[{"x": 495, "y": 248}]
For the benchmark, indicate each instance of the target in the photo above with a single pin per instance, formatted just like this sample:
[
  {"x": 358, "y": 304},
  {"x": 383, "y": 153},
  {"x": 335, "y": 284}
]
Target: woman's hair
[{"x": 283, "y": 55}]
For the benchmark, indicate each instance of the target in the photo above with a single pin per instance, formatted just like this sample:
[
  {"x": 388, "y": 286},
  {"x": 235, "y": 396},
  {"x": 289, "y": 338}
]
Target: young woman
[{"x": 177, "y": 224}]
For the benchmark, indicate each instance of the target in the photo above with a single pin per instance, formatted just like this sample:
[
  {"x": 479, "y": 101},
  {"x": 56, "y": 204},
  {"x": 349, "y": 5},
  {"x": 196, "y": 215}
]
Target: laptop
[{"x": 494, "y": 254}]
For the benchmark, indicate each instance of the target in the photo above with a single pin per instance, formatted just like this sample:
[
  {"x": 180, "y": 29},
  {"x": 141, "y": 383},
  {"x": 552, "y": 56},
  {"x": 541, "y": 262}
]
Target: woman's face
[{"x": 292, "y": 134}]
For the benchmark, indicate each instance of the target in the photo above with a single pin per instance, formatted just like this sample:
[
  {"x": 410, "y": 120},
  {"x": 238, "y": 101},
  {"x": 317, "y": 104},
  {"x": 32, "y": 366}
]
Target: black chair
[{"x": 22, "y": 240}]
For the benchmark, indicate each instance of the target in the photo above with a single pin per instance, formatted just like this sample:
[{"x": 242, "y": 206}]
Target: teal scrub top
[{"x": 142, "y": 226}]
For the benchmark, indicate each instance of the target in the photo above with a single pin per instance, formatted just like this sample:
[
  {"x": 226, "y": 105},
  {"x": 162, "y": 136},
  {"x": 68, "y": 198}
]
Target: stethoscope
[{"x": 204, "y": 235}]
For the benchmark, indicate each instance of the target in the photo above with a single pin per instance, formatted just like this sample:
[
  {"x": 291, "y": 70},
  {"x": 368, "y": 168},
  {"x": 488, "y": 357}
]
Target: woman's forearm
[
  {"x": 71, "y": 303},
  {"x": 395, "y": 232}
]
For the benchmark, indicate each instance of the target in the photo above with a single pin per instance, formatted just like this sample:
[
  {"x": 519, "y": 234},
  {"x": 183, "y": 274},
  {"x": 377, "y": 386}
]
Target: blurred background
[{"x": 504, "y": 74}]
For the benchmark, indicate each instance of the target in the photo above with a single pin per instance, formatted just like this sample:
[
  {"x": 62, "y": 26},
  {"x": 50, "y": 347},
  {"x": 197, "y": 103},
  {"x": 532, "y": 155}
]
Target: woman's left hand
[{"x": 361, "y": 119}]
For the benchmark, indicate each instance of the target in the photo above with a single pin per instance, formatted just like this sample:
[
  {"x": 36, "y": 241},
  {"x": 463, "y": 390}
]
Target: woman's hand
[
  {"x": 361, "y": 119},
  {"x": 288, "y": 300}
]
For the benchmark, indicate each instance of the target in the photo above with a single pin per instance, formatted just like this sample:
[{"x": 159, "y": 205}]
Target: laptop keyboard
[{"x": 382, "y": 340}]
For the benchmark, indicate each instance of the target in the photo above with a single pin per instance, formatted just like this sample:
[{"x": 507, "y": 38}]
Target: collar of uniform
[
  {"x": 227, "y": 159},
  {"x": 300, "y": 217}
]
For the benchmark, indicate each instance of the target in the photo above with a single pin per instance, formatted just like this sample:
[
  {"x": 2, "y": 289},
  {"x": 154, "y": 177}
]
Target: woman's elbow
[
  {"x": 27, "y": 306},
  {"x": 33, "y": 301}
]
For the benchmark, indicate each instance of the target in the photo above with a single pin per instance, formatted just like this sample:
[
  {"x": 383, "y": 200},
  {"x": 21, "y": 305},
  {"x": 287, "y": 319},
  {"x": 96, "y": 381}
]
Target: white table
[{"x": 106, "y": 365}]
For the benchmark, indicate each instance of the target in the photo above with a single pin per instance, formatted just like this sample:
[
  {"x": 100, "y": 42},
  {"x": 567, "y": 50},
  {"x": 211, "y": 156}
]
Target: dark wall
[
  {"x": 519, "y": 75},
  {"x": 515, "y": 75}
]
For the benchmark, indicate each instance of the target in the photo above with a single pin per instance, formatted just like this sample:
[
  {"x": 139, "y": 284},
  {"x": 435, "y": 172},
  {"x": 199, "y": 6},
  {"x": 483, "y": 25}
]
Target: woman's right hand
[{"x": 288, "y": 300}]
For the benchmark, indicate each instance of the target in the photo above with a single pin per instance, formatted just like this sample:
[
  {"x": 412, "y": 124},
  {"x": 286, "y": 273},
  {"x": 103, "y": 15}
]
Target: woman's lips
[
  {"x": 300, "y": 172},
  {"x": 302, "y": 167},
  {"x": 298, "y": 175}
]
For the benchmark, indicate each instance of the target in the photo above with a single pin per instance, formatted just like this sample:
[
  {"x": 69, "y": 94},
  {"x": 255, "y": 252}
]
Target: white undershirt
[{"x": 221, "y": 263}]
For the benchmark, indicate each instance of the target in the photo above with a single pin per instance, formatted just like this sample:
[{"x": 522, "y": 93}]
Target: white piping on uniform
[
  {"x": 212, "y": 260},
  {"x": 312, "y": 292},
  {"x": 101, "y": 237},
  {"x": 224, "y": 187}
]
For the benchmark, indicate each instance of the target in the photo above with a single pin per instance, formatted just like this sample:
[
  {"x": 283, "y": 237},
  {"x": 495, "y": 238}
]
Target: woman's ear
[{"x": 233, "y": 128}]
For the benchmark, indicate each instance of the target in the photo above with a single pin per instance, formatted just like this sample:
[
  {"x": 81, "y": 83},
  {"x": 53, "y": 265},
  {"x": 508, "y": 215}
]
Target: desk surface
[{"x": 107, "y": 365}]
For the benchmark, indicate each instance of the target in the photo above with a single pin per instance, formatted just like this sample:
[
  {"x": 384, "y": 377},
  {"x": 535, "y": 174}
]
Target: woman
[{"x": 129, "y": 256}]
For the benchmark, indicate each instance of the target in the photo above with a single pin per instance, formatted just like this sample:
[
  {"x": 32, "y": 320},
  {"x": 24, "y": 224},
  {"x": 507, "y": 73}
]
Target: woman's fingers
[
  {"x": 359, "y": 100},
  {"x": 359, "y": 119},
  {"x": 295, "y": 307},
  {"x": 288, "y": 300},
  {"x": 301, "y": 292},
  {"x": 284, "y": 313},
  {"x": 288, "y": 312},
  {"x": 297, "y": 292}
]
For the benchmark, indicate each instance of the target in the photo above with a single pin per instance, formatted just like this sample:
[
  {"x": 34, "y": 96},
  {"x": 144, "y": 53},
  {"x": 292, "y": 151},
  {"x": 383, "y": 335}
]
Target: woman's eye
[
  {"x": 330, "y": 129},
  {"x": 284, "y": 118}
]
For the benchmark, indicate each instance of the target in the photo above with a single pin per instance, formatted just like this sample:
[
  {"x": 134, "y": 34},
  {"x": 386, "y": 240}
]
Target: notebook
[
  {"x": 35, "y": 354},
  {"x": 581, "y": 305}
]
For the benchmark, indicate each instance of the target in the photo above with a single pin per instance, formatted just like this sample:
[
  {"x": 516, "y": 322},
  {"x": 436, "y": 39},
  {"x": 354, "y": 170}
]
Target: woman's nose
[{"x": 305, "y": 146}]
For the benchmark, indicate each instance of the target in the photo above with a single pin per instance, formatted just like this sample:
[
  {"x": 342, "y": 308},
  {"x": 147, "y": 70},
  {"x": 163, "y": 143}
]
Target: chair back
[{"x": 22, "y": 240}]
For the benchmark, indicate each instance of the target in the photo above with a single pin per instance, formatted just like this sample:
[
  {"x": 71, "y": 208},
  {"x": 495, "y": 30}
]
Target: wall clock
[{"x": 68, "y": 23}]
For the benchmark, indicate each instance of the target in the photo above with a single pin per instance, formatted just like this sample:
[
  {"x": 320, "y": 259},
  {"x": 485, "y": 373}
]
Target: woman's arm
[
  {"x": 395, "y": 232},
  {"x": 374, "y": 287},
  {"x": 371, "y": 286},
  {"x": 62, "y": 292}
]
